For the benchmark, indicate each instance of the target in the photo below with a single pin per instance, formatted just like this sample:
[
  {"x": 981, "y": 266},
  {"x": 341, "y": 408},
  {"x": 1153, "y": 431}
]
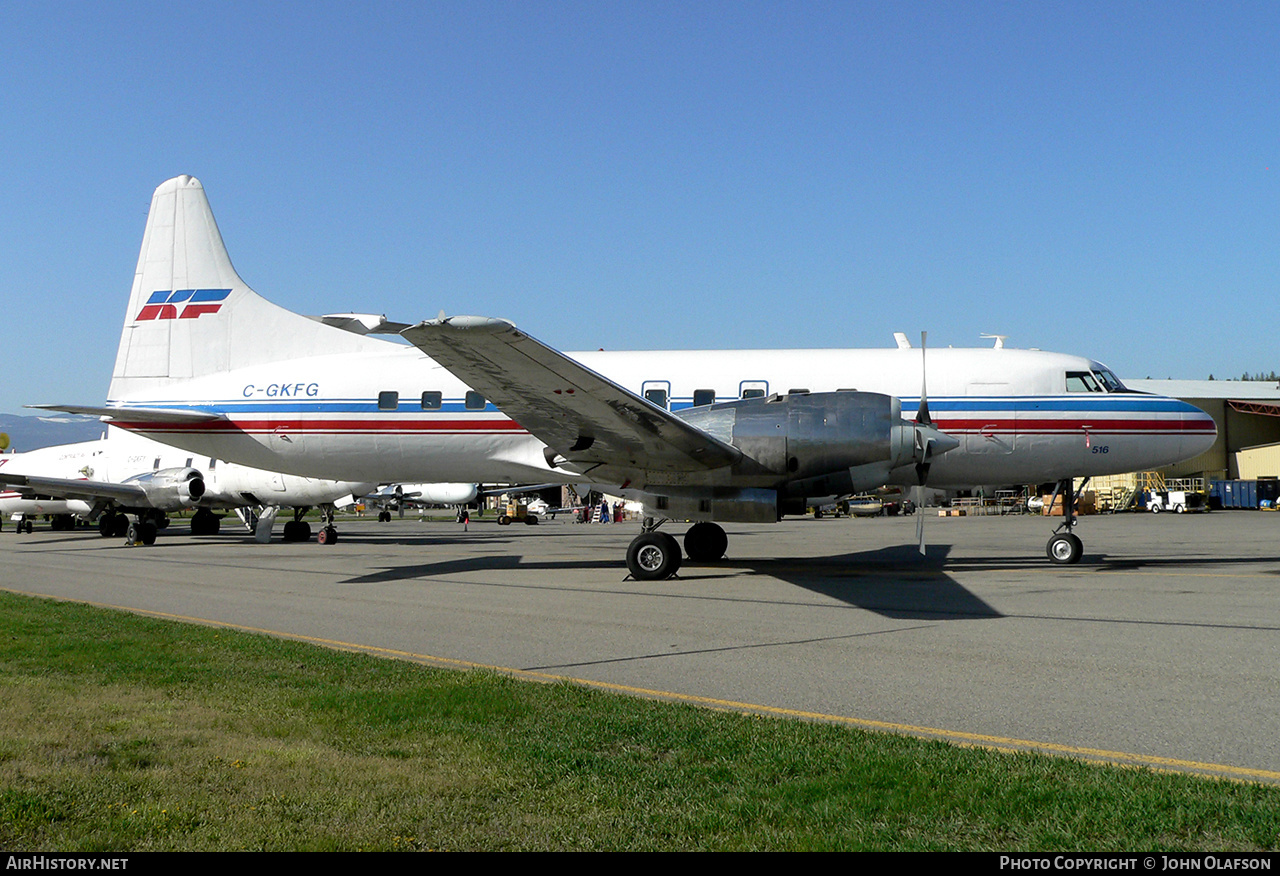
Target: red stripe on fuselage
[
  {"x": 327, "y": 426},
  {"x": 1099, "y": 424}
]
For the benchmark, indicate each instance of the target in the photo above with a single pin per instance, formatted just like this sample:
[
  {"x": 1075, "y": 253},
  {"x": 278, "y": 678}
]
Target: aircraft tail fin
[{"x": 190, "y": 314}]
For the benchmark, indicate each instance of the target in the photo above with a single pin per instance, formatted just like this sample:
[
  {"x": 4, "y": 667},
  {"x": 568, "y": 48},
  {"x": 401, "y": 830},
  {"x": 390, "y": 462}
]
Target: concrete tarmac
[{"x": 1160, "y": 648}]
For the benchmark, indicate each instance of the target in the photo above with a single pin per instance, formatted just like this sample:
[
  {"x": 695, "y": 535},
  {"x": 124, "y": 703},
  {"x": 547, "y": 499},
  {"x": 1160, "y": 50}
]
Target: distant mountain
[{"x": 29, "y": 433}]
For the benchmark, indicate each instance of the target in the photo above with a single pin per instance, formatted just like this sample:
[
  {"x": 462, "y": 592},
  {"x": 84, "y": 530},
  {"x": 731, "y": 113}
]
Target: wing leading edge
[
  {"x": 582, "y": 416},
  {"x": 66, "y": 488}
]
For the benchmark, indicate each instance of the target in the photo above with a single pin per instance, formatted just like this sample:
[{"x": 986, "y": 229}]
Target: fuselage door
[{"x": 991, "y": 419}]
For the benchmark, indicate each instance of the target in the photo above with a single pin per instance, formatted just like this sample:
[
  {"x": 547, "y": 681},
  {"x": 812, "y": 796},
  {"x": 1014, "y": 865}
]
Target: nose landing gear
[{"x": 1065, "y": 547}]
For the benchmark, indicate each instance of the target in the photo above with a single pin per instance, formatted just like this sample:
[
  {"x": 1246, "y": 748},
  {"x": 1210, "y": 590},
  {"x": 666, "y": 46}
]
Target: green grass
[{"x": 125, "y": 733}]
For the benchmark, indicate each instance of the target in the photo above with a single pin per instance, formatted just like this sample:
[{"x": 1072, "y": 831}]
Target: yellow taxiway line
[{"x": 959, "y": 737}]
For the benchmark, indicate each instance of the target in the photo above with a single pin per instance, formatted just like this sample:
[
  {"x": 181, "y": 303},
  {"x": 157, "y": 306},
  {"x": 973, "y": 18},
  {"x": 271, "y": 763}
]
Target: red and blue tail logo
[{"x": 198, "y": 302}]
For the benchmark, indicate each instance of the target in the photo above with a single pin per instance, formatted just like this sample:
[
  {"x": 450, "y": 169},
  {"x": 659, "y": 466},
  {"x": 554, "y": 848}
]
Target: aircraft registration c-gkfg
[{"x": 207, "y": 364}]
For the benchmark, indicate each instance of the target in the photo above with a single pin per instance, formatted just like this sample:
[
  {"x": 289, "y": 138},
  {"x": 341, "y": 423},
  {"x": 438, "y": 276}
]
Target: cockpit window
[
  {"x": 1108, "y": 380},
  {"x": 1098, "y": 380},
  {"x": 1082, "y": 381}
]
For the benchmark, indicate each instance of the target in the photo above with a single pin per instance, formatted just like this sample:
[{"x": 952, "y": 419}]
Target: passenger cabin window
[
  {"x": 431, "y": 401},
  {"x": 797, "y": 392},
  {"x": 657, "y": 392},
  {"x": 388, "y": 401},
  {"x": 703, "y": 397},
  {"x": 474, "y": 401},
  {"x": 753, "y": 393}
]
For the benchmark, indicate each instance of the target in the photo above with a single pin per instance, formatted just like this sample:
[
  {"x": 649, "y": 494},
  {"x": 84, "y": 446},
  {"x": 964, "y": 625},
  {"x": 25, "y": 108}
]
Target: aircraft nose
[{"x": 1199, "y": 431}]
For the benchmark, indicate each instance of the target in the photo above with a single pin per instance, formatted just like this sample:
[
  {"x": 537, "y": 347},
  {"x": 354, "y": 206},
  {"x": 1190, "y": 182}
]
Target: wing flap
[{"x": 581, "y": 415}]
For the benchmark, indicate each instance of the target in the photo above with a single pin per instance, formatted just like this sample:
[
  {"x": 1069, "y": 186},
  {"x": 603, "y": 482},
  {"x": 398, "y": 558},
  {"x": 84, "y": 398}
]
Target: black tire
[
  {"x": 147, "y": 532},
  {"x": 705, "y": 542},
  {"x": 675, "y": 551},
  {"x": 328, "y": 535},
  {"x": 653, "y": 556},
  {"x": 1064, "y": 549},
  {"x": 297, "y": 530},
  {"x": 503, "y": 520},
  {"x": 205, "y": 522},
  {"x": 531, "y": 519}
]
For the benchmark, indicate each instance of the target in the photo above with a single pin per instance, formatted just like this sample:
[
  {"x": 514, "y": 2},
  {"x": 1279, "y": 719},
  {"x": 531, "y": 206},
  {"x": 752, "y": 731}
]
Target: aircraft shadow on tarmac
[{"x": 895, "y": 582}]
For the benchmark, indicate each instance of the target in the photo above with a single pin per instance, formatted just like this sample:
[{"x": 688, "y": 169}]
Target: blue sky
[{"x": 1096, "y": 178}]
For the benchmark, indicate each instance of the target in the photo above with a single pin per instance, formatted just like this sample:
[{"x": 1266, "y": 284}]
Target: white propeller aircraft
[
  {"x": 123, "y": 474},
  {"x": 206, "y": 363},
  {"x": 398, "y": 496}
]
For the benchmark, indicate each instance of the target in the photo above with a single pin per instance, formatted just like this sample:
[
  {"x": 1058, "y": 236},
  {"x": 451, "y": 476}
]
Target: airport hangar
[{"x": 1247, "y": 413}]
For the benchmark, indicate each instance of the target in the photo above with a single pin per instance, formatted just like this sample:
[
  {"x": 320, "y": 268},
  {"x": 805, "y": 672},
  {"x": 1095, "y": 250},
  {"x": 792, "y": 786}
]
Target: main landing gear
[
  {"x": 139, "y": 531},
  {"x": 205, "y": 522},
  {"x": 653, "y": 555},
  {"x": 297, "y": 529},
  {"x": 1064, "y": 546},
  {"x": 113, "y": 524}
]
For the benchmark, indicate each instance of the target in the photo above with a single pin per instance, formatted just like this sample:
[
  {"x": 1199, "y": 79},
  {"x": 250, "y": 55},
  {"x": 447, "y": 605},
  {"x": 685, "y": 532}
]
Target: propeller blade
[
  {"x": 922, "y": 415},
  {"x": 923, "y": 419},
  {"x": 922, "y": 475},
  {"x": 919, "y": 491}
]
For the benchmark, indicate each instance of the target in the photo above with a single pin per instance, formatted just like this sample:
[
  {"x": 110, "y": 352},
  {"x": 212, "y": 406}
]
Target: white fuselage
[
  {"x": 333, "y": 416},
  {"x": 310, "y": 398}
]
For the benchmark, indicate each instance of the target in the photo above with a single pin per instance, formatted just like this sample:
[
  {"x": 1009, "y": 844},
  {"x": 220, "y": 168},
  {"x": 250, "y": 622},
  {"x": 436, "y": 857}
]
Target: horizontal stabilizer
[
  {"x": 136, "y": 415},
  {"x": 362, "y": 323}
]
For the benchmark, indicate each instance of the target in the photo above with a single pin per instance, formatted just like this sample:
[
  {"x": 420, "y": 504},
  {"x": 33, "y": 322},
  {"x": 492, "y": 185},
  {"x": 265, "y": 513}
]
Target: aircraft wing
[
  {"x": 136, "y": 415},
  {"x": 582, "y": 416},
  {"x": 68, "y": 488}
]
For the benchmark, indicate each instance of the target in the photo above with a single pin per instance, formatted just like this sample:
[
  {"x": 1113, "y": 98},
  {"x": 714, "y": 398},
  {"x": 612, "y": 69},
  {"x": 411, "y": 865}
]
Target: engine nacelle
[
  {"x": 437, "y": 494},
  {"x": 817, "y": 444},
  {"x": 171, "y": 488}
]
